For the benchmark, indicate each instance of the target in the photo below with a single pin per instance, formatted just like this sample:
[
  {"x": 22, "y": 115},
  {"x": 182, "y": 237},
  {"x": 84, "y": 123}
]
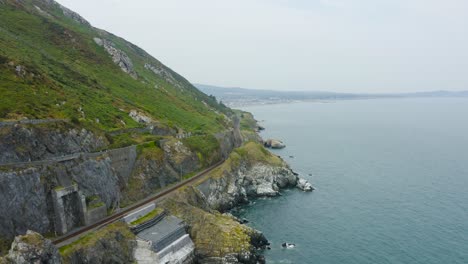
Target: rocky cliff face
[
  {"x": 112, "y": 244},
  {"x": 249, "y": 172},
  {"x": 116, "y": 177},
  {"x": 218, "y": 238},
  {"x": 32, "y": 248},
  {"x": 29, "y": 142}
]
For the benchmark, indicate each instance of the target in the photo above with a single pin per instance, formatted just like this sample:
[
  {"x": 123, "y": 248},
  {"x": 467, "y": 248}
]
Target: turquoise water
[{"x": 391, "y": 180}]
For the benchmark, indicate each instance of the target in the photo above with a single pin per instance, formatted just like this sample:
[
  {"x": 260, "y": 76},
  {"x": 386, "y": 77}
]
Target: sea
[{"x": 390, "y": 178}]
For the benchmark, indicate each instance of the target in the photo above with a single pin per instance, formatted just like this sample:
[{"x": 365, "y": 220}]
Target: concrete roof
[{"x": 165, "y": 227}]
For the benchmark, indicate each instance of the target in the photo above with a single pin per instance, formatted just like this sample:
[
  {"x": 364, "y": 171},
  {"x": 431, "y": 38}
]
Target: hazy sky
[{"x": 330, "y": 45}]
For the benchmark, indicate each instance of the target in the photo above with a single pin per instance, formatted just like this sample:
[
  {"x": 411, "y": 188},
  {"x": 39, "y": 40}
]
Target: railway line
[{"x": 67, "y": 238}]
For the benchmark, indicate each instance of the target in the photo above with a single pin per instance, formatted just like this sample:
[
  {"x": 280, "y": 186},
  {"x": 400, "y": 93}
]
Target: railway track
[{"x": 123, "y": 212}]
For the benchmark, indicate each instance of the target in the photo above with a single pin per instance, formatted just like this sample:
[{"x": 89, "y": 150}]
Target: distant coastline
[{"x": 241, "y": 97}]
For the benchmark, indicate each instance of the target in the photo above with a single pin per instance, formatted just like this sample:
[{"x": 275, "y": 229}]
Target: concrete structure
[
  {"x": 139, "y": 213},
  {"x": 95, "y": 214},
  {"x": 165, "y": 242},
  {"x": 69, "y": 208},
  {"x": 179, "y": 251}
]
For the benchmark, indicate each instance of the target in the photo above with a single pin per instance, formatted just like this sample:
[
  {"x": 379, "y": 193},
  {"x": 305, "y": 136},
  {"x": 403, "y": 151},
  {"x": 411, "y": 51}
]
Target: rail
[{"x": 120, "y": 214}]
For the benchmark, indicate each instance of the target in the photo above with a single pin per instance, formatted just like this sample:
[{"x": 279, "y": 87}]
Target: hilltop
[{"x": 54, "y": 64}]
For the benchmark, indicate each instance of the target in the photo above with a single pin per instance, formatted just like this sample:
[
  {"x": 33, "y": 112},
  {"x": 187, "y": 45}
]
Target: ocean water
[{"x": 391, "y": 180}]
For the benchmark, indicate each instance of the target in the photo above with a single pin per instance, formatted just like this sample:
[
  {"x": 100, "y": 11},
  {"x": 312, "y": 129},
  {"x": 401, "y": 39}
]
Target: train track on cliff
[{"x": 70, "y": 237}]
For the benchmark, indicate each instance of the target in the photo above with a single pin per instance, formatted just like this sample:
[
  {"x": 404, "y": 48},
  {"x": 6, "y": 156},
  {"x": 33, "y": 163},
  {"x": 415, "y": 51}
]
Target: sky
[{"x": 328, "y": 45}]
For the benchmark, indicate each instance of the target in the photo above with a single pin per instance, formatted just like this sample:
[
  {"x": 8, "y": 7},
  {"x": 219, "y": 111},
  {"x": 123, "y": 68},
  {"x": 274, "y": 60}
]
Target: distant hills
[{"x": 234, "y": 96}]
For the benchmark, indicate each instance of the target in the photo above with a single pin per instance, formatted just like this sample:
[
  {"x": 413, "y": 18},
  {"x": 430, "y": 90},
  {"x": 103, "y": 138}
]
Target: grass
[
  {"x": 90, "y": 239},
  {"x": 214, "y": 234},
  {"x": 157, "y": 211},
  {"x": 64, "y": 71},
  {"x": 249, "y": 153},
  {"x": 206, "y": 147}
]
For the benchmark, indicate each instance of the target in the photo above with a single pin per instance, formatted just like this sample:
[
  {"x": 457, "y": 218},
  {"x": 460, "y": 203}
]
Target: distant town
[{"x": 239, "y": 97}]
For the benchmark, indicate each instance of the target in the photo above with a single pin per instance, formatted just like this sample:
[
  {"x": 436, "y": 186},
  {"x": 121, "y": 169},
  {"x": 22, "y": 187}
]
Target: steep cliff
[
  {"x": 112, "y": 244},
  {"x": 251, "y": 171},
  {"x": 90, "y": 123},
  {"x": 32, "y": 248},
  {"x": 89, "y": 120},
  {"x": 218, "y": 238}
]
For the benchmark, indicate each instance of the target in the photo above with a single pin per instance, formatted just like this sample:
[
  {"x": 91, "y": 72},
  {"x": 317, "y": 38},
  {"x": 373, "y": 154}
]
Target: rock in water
[
  {"x": 304, "y": 185},
  {"x": 32, "y": 248},
  {"x": 274, "y": 143},
  {"x": 288, "y": 245}
]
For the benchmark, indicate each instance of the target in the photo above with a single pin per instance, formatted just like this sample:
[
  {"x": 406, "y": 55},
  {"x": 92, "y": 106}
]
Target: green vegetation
[
  {"x": 5, "y": 245},
  {"x": 131, "y": 138},
  {"x": 206, "y": 147},
  {"x": 157, "y": 211},
  {"x": 255, "y": 152},
  {"x": 91, "y": 239},
  {"x": 214, "y": 234},
  {"x": 50, "y": 67},
  {"x": 249, "y": 153},
  {"x": 150, "y": 151},
  {"x": 247, "y": 121}
]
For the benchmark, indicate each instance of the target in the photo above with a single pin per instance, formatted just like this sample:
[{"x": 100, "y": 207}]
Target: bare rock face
[
  {"x": 68, "y": 13},
  {"x": 119, "y": 57},
  {"x": 140, "y": 117},
  {"x": 23, "y": 143},
  {"x": 244, "y": 182},
  {"x": 179, "y": 156},
  {"x": 23, "y": 196},
  {"x": 163, "y": 73},
  {"x": 32, "y": 248}
]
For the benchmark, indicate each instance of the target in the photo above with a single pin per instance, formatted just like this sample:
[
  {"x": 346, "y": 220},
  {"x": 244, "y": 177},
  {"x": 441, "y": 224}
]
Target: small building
[{"x": 164, "y": 239}]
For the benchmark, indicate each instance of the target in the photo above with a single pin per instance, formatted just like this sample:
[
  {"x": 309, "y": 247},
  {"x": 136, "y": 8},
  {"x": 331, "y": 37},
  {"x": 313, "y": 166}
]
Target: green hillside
[{"x": 53, "y": 64}]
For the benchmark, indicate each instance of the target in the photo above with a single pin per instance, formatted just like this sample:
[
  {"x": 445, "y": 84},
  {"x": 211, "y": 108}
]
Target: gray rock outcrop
[
  {"x": 304, "y": 185},
  {"x": 163, "y": 73},
  {"x": 274, "y": 143},
  {"x": 24, "y": 142},
  {"x": 244, "y": 182},
  {"x": 32, "y": 248},
  {"x": 119, "y": 57},
  {"x": 140, "y": 117}
]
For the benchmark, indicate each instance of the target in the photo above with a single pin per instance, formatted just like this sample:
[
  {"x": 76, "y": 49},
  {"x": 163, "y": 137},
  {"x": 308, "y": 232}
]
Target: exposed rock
[
  {"x": 304, "y": 185},
  {"x": 163, "y": 73},
  {"x": 20, "y": 143},
  {"x": 179, "y": 156},
  {"x": 68, "y": 13},
  {"x": 42, "y": 12},
  {"x": 140, "y": 117},
  {"x": 149, "y": 174},
  {"x": 32, "y": 248},
  {"x": 119, "y": 57},
  {"x": 274, "y": 143},
  {"x": 23, "y": 195},
  {"x": 255, "y": 173},
  {"x": 218, "y": 238},
  {"x": 112, "y": 244},
  {"x": 28, "y": 188},
  {"x": 20, "y": 70}
]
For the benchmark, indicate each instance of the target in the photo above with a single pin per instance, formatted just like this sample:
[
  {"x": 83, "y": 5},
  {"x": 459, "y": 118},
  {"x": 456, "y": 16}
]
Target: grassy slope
[{"x": 65, "y": 70}]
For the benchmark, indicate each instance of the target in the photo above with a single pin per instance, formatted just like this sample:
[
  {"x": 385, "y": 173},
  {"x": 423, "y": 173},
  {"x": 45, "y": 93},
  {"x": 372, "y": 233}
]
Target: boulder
[
  {"x": 274, "y": 143},
  {"x": 304, "y": 185},
  {"x": 32, "y": 248}
]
